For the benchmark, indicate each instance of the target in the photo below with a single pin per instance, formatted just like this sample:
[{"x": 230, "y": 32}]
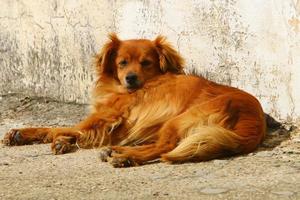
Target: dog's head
[{"x": 133, "y": 62}]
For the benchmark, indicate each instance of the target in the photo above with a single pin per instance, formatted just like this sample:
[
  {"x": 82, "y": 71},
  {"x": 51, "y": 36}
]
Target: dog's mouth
[{"x": 131, "y": 88}]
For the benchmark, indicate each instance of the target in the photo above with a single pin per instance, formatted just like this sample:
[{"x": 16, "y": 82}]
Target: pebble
[
  {"x": 156, "y": 194},
  {"x": 213, "y": 190},
  {"x": 291, "y": 152},
  {"x": 5, "y": 163}
]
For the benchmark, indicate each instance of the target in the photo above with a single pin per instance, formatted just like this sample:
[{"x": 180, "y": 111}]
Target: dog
[{"x": 145, "y": 108}]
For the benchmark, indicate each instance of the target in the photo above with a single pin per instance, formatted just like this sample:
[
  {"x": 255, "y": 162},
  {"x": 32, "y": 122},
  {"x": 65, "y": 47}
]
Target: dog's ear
[
  {"x": 169, "y": 58},
  {"x": 104, "y": 61}
]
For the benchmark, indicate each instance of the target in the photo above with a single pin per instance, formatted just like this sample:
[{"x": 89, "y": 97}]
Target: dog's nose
[{"x": 131, "y": 79}]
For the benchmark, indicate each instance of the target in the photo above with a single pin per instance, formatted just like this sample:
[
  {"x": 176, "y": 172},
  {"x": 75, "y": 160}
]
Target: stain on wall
[{"x": 46, "y": 46}]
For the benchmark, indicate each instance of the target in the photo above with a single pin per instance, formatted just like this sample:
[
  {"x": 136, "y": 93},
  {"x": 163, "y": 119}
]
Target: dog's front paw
[
  {"x": 63, "y": 144},
  {"x": 13, "y": 137}
]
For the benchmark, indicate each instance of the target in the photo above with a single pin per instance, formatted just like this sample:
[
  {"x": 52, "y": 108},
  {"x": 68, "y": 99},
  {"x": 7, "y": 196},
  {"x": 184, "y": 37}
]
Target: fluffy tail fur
[{"x": 206, "y": 143}]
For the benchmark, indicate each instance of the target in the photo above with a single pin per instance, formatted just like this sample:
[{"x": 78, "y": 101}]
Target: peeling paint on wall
[{"x": 46, "y": 46}]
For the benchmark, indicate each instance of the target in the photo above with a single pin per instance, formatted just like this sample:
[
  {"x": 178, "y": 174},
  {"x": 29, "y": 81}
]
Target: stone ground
[{"x": 32, "y": 172}]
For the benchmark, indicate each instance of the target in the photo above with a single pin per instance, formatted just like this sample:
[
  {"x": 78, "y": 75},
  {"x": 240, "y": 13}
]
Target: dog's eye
[
  {"x": 123, "y": 63},
  {"x": 145, "y": 63}
]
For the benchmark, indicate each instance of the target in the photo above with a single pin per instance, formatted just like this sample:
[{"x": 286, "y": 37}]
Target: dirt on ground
[{"x": 32, "y": 172}]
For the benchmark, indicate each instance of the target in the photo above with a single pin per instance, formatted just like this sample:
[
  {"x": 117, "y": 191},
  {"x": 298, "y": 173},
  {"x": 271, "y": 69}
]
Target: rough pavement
[{"x": 32, "y": 172}]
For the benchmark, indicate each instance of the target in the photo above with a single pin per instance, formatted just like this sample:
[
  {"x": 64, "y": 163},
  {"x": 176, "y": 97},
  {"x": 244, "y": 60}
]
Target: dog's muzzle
[{"x": 132, "y": 81}]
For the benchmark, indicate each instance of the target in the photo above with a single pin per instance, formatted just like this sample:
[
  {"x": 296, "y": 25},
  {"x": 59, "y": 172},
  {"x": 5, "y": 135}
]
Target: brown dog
[{"x": 145, "y": 108}]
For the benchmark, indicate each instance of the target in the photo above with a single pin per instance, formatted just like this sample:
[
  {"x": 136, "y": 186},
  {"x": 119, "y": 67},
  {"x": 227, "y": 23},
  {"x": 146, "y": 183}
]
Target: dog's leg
[
  {"x": 168, "y": 137},
  {"x": 94, "y": 131},
  {"x": 24, "y": 136},
  {"x": 132, "y": 156}
]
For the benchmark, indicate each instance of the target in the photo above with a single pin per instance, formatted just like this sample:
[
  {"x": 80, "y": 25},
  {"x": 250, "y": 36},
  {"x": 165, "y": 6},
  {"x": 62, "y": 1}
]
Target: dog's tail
[{"x": 210, "y": 142}]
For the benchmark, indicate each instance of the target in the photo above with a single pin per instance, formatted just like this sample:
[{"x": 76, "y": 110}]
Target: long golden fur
[{"x": 145, "y": 108}]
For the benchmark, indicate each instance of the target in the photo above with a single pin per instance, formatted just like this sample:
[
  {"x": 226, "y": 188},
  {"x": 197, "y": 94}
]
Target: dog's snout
[{"x": 131, "y": 79}]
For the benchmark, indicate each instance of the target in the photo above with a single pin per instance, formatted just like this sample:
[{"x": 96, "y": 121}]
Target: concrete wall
[{"x": 46, "y": 45}]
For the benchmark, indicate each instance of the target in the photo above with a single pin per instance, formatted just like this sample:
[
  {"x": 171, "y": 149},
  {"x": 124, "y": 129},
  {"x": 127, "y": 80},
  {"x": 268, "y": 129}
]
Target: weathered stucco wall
[{"x": 46, "y": 46}]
